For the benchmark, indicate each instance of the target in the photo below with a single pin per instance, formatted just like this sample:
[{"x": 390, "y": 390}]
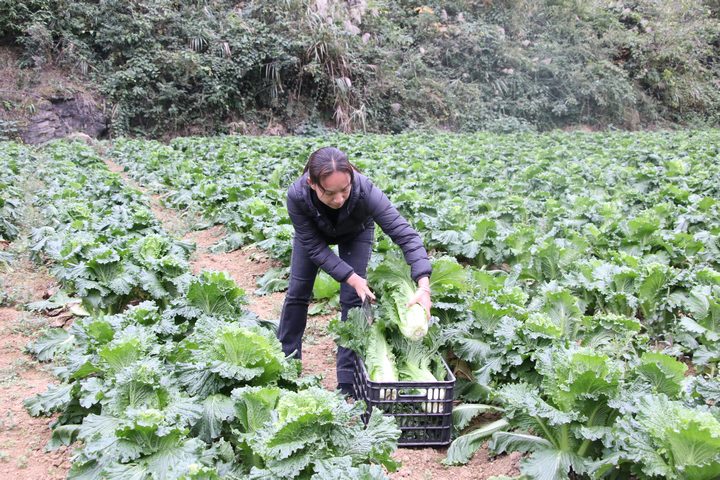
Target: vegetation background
[{"x": 171, "y": 67}]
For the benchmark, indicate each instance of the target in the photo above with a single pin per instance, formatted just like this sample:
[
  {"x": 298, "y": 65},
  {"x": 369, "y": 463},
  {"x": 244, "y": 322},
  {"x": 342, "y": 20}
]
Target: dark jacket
[{"x": 366, "y": 204}]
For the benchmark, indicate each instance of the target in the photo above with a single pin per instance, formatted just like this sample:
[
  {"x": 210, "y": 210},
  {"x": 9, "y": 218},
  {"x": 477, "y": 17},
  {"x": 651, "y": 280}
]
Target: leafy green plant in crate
[{"x": 390, "y": 347}]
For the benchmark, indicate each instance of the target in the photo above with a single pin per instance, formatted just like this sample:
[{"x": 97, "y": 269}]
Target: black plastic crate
[{"x": 422, "y": 410}]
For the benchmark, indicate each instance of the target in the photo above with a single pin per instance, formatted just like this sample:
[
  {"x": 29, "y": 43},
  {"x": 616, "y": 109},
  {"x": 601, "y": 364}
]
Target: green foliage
[
  {"x": 106, "y": 246},
  {"x": 326, "y": 294},
  {"x": 668, "y": 440},
  {"x": 219, "y": 356},
  {"x": 289, "y": 433},
  {"x": 595, "y": 239},
  {"x": 149, "y": 391},
  {"x": 216, "y": 294},
  {"x": 475, "y": 433},
  {"x": 325, "y": 287},
  {"x": 9, "y": 130},
  {"x": 18, "y": 15},
  {"x": 274, "y": 280},
  {"x": 388, "y": 66},
  {"x": 577, "y": 259},
  {"x": 562, "y": 421},
  {"x": 13, "y": 158}
]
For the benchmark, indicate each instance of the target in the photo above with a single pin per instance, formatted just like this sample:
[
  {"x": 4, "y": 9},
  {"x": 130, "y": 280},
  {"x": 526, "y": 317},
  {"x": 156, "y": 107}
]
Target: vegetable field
[{"x": 576, "y": 297}]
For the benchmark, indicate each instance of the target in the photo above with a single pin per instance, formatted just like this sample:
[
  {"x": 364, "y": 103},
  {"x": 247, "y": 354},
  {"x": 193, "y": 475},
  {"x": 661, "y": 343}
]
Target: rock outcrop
[{"x": 59, "y": 117}]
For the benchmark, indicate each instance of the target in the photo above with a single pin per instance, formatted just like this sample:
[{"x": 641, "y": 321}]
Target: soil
[
  {"x": 22, "y": 437},
  {"x": 424, "y": 464},
  {"x": 24, "y": 282}
]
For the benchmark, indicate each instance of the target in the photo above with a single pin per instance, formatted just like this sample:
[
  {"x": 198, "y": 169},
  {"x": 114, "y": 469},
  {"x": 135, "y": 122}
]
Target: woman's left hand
[{"x": 422, "y": 296}]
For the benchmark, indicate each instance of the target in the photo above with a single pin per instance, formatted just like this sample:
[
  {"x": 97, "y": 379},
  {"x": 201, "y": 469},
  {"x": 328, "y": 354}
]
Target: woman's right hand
[{"x": 361, "y": 287}]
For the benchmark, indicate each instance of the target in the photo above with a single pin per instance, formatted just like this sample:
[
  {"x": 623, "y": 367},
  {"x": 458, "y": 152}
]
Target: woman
[{"x": 333, "y": 203}]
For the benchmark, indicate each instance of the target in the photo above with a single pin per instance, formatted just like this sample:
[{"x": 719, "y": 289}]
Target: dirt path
[
  {"x": 22, "y": 437},
  {"x": 245, "y": 266}
]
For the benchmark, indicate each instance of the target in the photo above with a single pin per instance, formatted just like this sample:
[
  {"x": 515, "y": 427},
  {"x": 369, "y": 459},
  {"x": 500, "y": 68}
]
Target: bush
[{"x": 171, "y": 66}]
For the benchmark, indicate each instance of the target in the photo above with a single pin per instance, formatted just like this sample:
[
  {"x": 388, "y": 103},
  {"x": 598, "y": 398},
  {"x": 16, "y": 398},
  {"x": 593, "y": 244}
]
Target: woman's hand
[
  {"x": 361, "y": 287},
  {"x": 422, "y": 296}
]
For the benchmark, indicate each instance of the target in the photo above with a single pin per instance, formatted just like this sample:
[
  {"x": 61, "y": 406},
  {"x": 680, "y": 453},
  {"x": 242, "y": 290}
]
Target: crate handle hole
[{"x": 412, "y": 393}]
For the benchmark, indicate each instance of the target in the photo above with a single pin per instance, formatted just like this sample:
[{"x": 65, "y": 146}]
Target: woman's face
[{"x": 334, "y": 189}]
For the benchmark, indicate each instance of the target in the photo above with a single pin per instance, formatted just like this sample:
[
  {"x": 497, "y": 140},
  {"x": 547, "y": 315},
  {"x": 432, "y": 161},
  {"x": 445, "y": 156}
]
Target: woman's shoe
[{"x": 346, "y": 389}]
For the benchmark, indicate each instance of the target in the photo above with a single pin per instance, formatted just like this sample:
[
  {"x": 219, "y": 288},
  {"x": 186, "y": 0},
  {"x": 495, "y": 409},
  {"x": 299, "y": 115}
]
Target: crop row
[{"x": 10, "y": 193}]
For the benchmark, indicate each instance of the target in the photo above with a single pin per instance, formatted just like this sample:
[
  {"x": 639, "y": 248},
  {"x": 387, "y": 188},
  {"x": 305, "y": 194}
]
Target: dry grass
[{"x": 23, "y": 90}]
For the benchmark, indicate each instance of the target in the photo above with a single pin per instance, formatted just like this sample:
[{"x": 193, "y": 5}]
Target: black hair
[{"x": 326, "y": 161}]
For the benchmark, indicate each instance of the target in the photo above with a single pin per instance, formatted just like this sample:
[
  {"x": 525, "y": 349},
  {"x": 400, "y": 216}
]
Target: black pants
[{"x": 303, "y": 271}]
